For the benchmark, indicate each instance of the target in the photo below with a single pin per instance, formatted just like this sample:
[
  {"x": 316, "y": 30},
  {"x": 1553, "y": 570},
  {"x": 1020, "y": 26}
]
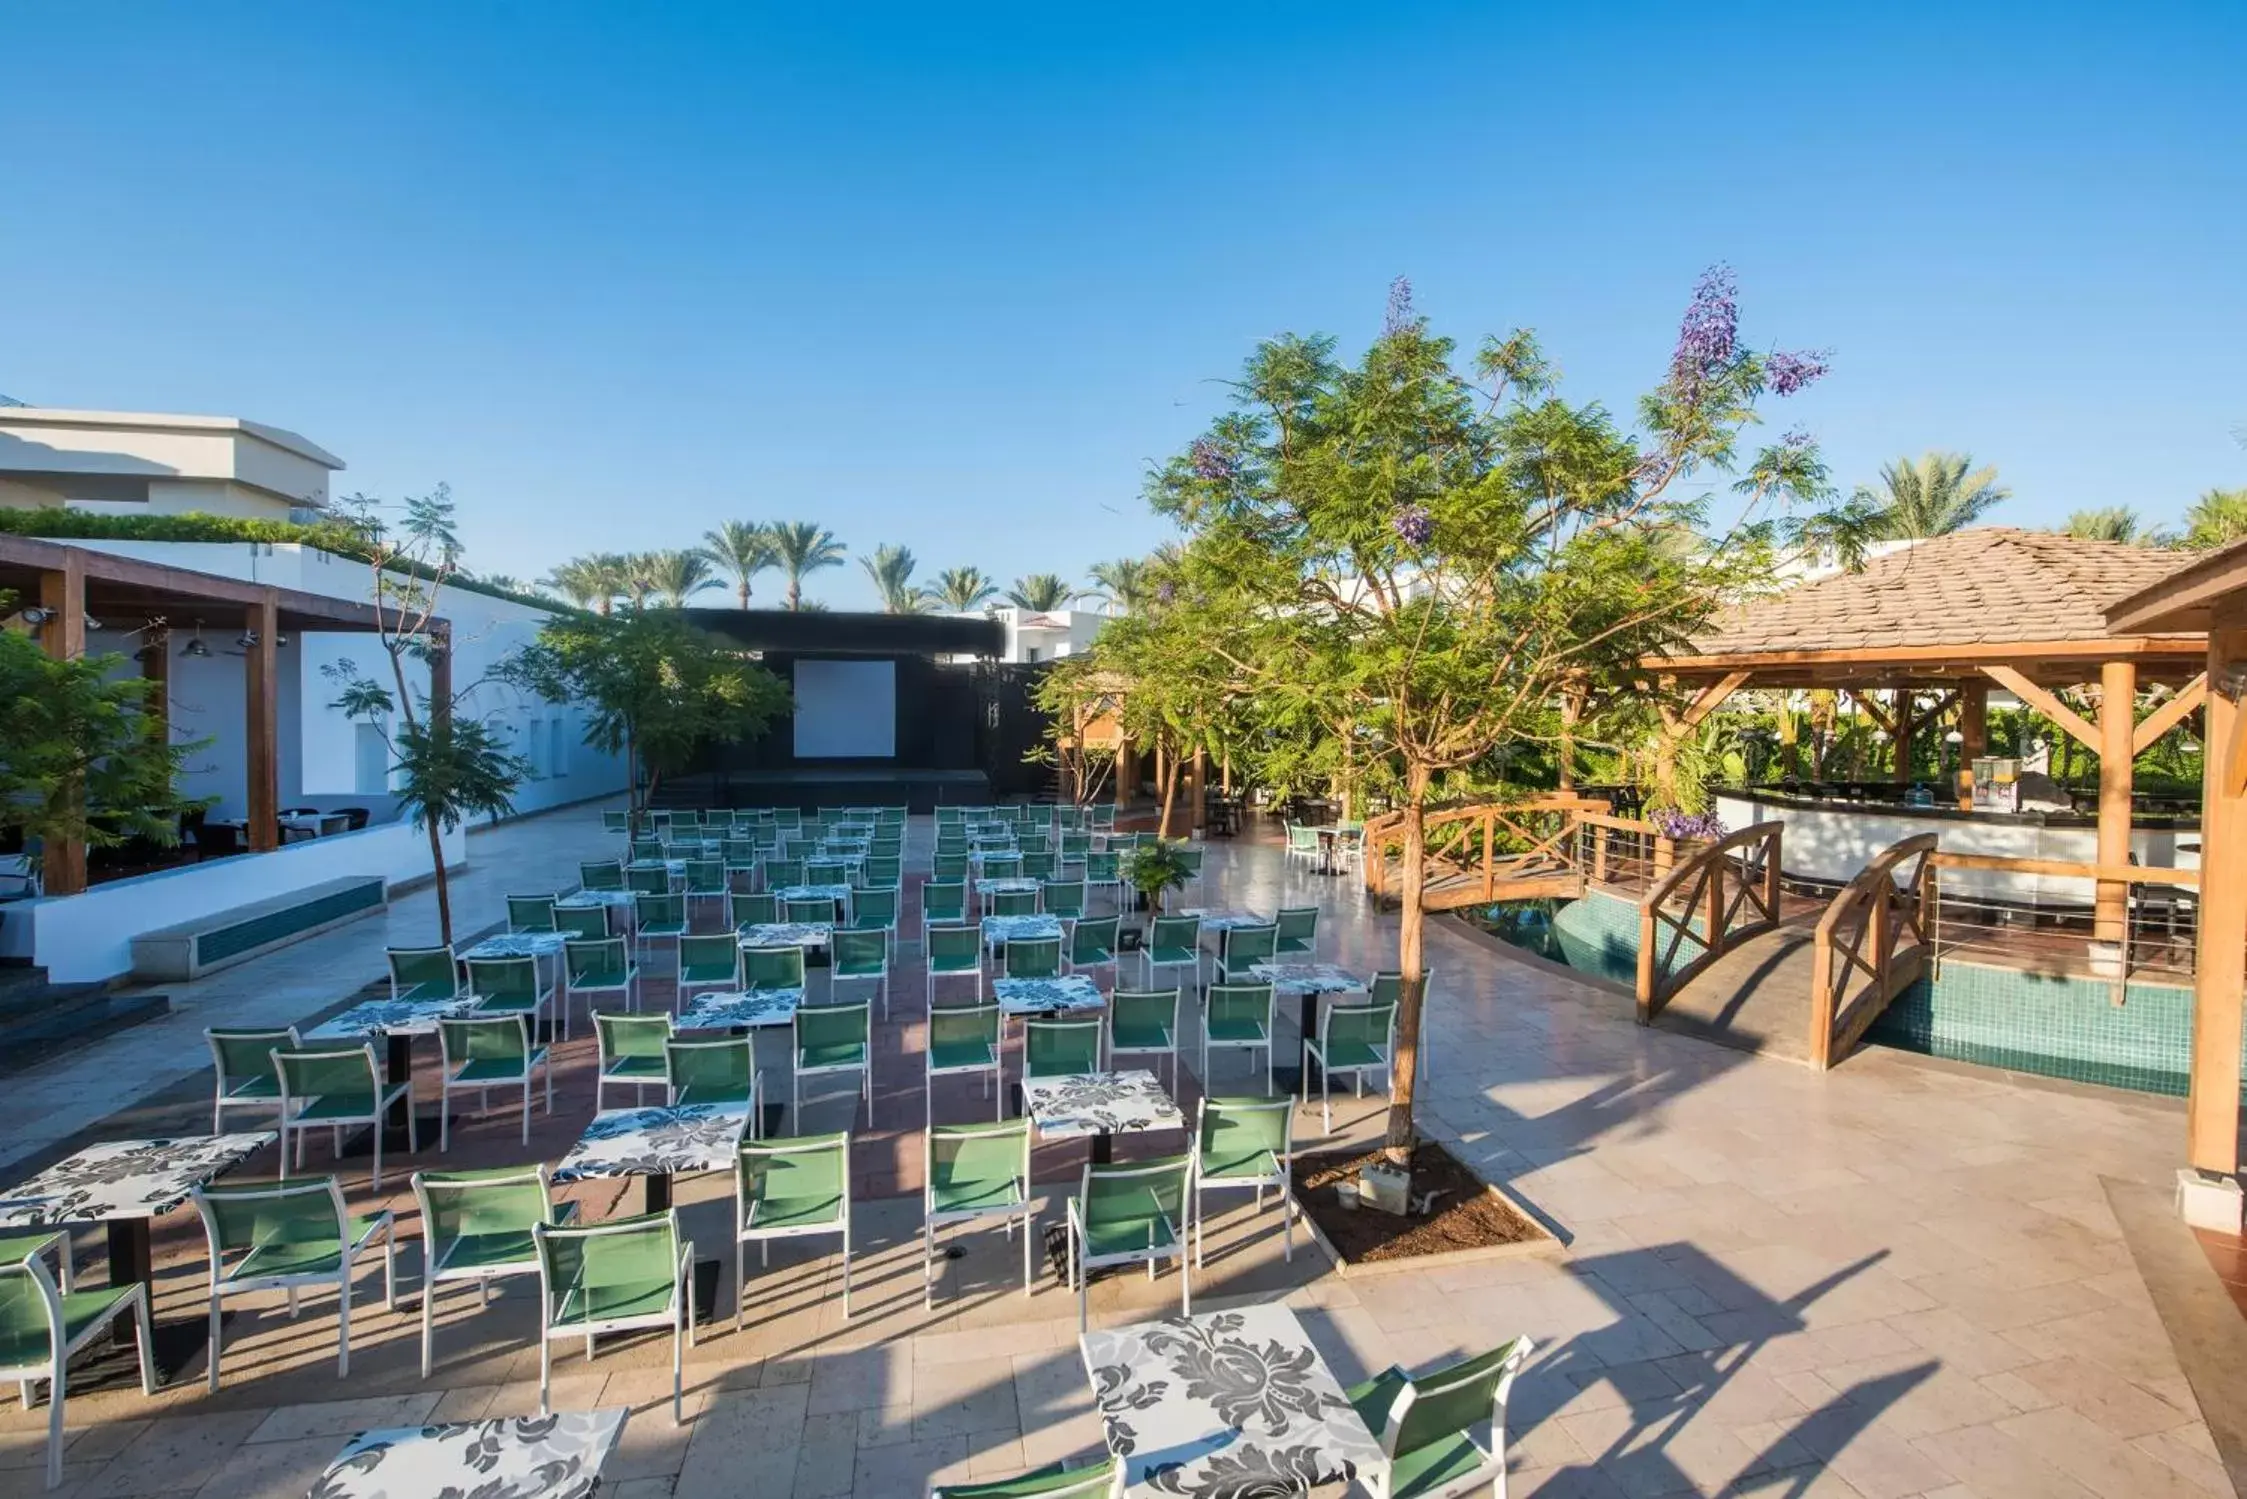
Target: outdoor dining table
[
  {"x": 397, "y": 1022},
  {"x": 543, "y": 948},
  {"x": 657, "y": 1144},
  {"x": 744, "y": 1011},
  {"x": 811, "y": 935},
  {"x": 1101, "y": 1105},
  {"x": 126, "y": 1185},
  {"x": 1231, "y": 1402},
  {"x": 508, "y": 1457},
  {"x": 998, "y": 931},
  {"x": 1307, "y": 982},
  {"x": 839, "y": 894},
  {"x": 1328, "y": 834}
]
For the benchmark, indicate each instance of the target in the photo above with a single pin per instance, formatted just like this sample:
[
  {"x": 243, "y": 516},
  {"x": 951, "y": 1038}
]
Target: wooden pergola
[
  {"x": 73, "y": 584},
  {"x": 1958, "y": 614},
  {"x": 2208, "y": 597}
]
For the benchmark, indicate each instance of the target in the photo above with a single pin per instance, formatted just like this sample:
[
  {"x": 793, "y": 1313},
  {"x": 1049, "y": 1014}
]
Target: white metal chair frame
[
  {"x": 224, "y": 1283},
  {"x": 435, "y": 1271},
  {"x": 220, "y": 1101},
  {"x": 678, "y": 1316},
  {"x": 1493, "y": 1468},
  {"x": 1024, "y": 1206},
  {"x": 797, "y": 1071},
  {"x": 1175, "y": 1249},
  {"x": 1280, "y": 1178},
  {"x": 1318, "y": 1049},
  {"x": 746, "y": 1231},
  {"x": 56, "y": 1367},
  {"x": 993, "y": 1069},
  {"x": 1229, "y": 1044},
  {"x": 537, "y": 1059},
  {"x": 385, "y": 1094}
]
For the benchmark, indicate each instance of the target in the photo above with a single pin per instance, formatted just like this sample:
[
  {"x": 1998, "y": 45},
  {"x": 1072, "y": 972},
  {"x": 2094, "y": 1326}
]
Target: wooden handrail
[
  {"x": 1702, "y": 879},
  {"x": 1868, "y": 912},
  {"x": 2130, "y": 874},
  {"x": 1480, "y": 822}
]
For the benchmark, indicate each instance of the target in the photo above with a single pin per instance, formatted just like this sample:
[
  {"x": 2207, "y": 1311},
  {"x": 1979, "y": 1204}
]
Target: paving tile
[
  {"x": 178, "y": 1452},
  {"x": 344, "y": 1417},
  {"x": 2103, "y": 1396},
  {"x": 278, "y": 1468}
]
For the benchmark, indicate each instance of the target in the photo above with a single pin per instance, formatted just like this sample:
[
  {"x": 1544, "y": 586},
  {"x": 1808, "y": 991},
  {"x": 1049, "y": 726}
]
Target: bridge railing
[
  {"x": 1486, "y": 843},
  {"x": 1874, "y": 933},
  {"x": 1719, "y": 895},
  {"x": 2037, "y": 914}
]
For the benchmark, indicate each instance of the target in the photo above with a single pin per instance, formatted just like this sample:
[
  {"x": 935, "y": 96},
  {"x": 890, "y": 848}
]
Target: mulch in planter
[{"x": 1466, "y": 1216}]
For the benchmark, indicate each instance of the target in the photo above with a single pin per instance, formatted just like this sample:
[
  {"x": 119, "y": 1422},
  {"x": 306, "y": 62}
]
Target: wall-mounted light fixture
[
  {"x": 195, "y": 646},
  {"x": 36, "y": 616}
]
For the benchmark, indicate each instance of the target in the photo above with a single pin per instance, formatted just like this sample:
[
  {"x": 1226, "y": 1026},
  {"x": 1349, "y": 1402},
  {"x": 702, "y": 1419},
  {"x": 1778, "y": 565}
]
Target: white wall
[{"x": 82, "y": 939}]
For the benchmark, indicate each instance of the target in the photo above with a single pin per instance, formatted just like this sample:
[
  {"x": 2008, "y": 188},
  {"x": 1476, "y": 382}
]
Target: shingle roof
[{"x": 1993, "y": 585}]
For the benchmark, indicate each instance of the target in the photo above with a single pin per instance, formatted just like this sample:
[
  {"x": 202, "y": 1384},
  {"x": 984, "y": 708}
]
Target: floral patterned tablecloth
[
  {"x": 786, "y": 933},
  {"x": 1099, "y": 1103},
  {"x": 519, "y": 945},
  {"x": 581, "y": 900},
  {"x": 1047, "y": 996},
  {"x": 1011, "y": 885},
  {"x": 513, "y": 1457},
  {"x": 1000, "y": 930},
  {"x": 719, "y": 1012},
  {"x": 656, "y": 1142},
  {"x": 1307, "y": 978},
  {"x": 390, "y": 1017},
  {"x": 1214, "y": 920},
  {"x": 1234, "y": 1403},
  {"x": 125, "y": 1179}
]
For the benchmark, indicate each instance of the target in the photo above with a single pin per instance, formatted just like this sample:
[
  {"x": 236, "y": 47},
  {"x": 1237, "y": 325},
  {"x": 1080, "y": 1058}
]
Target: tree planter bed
[{"x": 1472, "y": 1220}]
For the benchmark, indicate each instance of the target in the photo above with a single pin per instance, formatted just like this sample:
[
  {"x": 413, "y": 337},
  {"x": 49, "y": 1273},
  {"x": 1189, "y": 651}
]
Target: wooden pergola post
[
  {"x": 1973, "y": 736},
  {"x": 2118, "y": 722},
  {"x": 1196, "y": 816},
  {"x": 1127, "y": 770},
  {"x": 1902, "y": 715},
  {"x": 1790, "y": 753},
  {"x": 261, "y": 676},
  {"x": 2220, "y": 979},
  {"x": 62, "y": 593}
]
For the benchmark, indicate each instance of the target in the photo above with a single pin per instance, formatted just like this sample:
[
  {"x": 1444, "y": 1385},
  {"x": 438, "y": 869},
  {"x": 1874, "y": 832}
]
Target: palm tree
[
  {"x": 891, "y": 571},
  {"x": 2216, "y": 519},
  {"x": 639, "y": 582},
  {"x": 1122, "y": 586},
  {"x": 742, "y": 548},
  {"x": 800, "y": 549},
  {"x": 612, "y": 572},
  {"x": 963, "y": 589},
  {"x": 1930, "y": 496},
  {"x": 1039, "y": 592},
  {"x": 2112, "y": 523},
  {"x": 679, "y": 575},
  {"x": 581, "y": 581}
]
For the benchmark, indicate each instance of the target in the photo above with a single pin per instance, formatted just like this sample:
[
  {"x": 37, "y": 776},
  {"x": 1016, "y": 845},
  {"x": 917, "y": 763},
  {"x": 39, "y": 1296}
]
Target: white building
[
  {"x": 134, "y": 463},
  {"x": 1043, "y": 634}
]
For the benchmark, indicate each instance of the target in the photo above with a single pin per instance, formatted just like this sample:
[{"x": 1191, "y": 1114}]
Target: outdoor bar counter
[{"x": 1831, "y": 838}]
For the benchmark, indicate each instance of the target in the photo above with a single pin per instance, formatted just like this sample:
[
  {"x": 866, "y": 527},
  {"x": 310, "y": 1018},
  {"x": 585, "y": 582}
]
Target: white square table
[
  {"x": 513, "y": 1457},
  {"x": 839, "y": 894},
  {"x": 1100, "y": 1105},
  {"x": 1308, "y": 983},
  {"x": 998, "y": 931},
  {"x": 657, "y": 1144},
  {"x": 396, "y": 1022},
  {"x": 1068, "y": 995},
  {"x": 747, "y": 1009},
  {"x": 810, "y": 935},
  {"x": 1224, "y": 1403}
]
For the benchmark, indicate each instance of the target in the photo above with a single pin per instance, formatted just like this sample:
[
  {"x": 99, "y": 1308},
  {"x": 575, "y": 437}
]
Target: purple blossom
[
  {"x": 1211, "y": 462},
  {"x": 1414, "y": 526},
  {"x": 1400, "y": 315},
  {"x": 1795, "y": 440},
  {"x": 1167, "y": 592},
  {"x": 1792, "y": 372},
  {"x": 1710, "y": 333},
  {"x": 1672, "y": 823}
]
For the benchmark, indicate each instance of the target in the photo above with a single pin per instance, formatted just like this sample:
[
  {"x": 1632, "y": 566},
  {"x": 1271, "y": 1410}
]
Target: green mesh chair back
[
  {"x": 503, "y": 980},
  {"x": 1033, "y": 958},
  {"x": 1190, "y": 860},
  {"x": 1103, "y": 868},
  {"x": 891, "y": 817},
  {"x": 1014, "y": 902},
  {"x": 706, "y": 877},
  {"x": 799, "y": 849},
  {"x": 1103, "y": 817},
  {"x": 1037, "y": 865},
  {"x": 875, "y": 908},
  {"x": 976, "y": 1167},
  {"x": 530, "y": 913},
  {"x": 831, "y": 1033},
  {"x": 1387, "y": 986},
  {"x": 1250, "y": 944},
  {"x": 482, "y": 1219},
  {"x": 752, "y": 910},
  {"x": 950, "y": 868},
  {"x": 623, "y": 1267},
  {"x": 815, "y": 909},
  {"x": 597, "y": 963},
  {"x": 1175, "y": 939},
  {"x": 738, "y": 851},
  {"x": 685, "y": 817},
  {"x": 1356, "y": 1035},
  {"x": 1033, "y": 843},
  {"x": 660, "y": 915},
  {"x": 1245, "y": 1137},
  {"x": 1142, "y": 1019},
  {"x": 601, "y": 874},
  {"x": 781, "y": 874},
  {"x": 1429, "y": 1418},
  {"x": 616, "y": 822},
  {"x": 242, "y": 1058},
  {"x": 860, "y": 954},
  {"x": 772, "y": 968},
  {"x": 883, "y": 871},
  {"x": 637, "y": 1037},
  {"x": 787, "y": 817},
  {"x": 1060, "y": 1048},
  {"x": 963, "y": 1036},
  {"x": 423, "y": 973},
  {"x": 1002, "y": 867},
  {"x": 503, "y": 1039},
  {"x": 949, "y": 817},
  {"x": 943, "y": 901},
  {"x": 582, "y": 923},
  {"x": 826, "y": 872},
  {"x": 646, "y": 850},
  {"x": 1093, "y": 942},
  {"x": 714, "y": 1071},
  {"x": 1239, "y": 1011},
  {"x": 798, "y": 1179},
  {"x": 1065, "y": 899},
  {"x": 647, "y": 881},
  {"x": 1136, "y": 1205},
  {"x": 954, "y": 949},
  {"x": 1076, "y": 845},
  {"x": 710, "y": 958},
  {"x": 1301, "y": 840},
  {"x": 1296, "y": 930},
  {"x": 345, "y": 1079},
  {"x": 276, "y": 1221}
]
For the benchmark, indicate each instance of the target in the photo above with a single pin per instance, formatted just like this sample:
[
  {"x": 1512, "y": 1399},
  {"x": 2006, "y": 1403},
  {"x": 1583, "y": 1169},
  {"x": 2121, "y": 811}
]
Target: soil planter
[{"x": 1470, "y": 1220}]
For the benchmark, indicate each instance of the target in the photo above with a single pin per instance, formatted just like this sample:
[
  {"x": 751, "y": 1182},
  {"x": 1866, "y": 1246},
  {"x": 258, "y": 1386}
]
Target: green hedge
[{"x": 57, "y": 524}]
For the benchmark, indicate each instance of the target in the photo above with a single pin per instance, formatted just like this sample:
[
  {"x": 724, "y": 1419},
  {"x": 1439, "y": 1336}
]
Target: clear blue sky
[{"x": 952, "y": 276}]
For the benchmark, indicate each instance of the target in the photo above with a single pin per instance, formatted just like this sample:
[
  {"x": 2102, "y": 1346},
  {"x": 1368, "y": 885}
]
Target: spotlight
[
  {"x": 92, "y": 623},
  {"x": 247, "y": 640},
  {"x": 195, "y": 646},
  {"x": 36, "y": 616}
]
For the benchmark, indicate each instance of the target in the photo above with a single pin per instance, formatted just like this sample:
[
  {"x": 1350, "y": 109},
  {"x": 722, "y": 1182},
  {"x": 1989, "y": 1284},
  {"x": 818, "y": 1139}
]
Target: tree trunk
[
  {"x": 1170, "y": 792},
  {"x": 795, "y": 595},
  {"x": 1412, "y": 991},
  {"x": 744, "y": 593},
  {"x": 444, "y": 892}
]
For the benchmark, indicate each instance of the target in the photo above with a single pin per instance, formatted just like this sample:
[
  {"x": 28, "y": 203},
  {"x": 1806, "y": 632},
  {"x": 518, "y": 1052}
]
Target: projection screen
[{"x": 846, "y": 710}]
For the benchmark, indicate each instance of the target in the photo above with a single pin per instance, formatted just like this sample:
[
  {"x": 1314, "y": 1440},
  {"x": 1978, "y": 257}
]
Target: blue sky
[{"x": 952, "y": 276}]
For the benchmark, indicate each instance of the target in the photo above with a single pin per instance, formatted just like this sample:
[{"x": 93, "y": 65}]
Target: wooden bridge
[{"x": 1725, "y": 952}]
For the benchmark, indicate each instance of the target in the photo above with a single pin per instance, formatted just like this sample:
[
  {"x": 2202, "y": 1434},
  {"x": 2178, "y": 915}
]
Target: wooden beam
[
  {"x": 2044, "y": 701},
  {"x": 261, "y": 678},
  {"x": 2118, "y": 720},
  {"x": 181, "y": 584},
  {"x": 62, "y": 593},
  {"x": 2220, "y": 969},
  {"x": 1871, "y": 659},
  {"x": 1974, "y": 737},
  {"x": 1882, "y": 719},
  {"x": 2166, "y": 717},
  {"x": 1901, "y": 736},
  {"x": 1707, "y": 701}
]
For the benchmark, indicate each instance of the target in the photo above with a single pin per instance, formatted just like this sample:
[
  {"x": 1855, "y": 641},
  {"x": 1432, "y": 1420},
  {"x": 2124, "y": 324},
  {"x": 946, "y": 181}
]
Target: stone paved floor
[{"x": 1896, "y": 1279}]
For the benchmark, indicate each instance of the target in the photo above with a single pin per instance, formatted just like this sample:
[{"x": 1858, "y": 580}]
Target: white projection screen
[{"x": 846, "y": 710}]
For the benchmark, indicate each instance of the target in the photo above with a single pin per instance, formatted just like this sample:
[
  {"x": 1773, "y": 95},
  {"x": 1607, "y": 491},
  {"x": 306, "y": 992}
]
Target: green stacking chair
[
  {"x": 335, "y": 1087},
  {"x": 1295, "y": 938},
  {"x": 602, "y": 965},
  {"x": 647, "y": 881},
  {"x": 1034, "y": 958},
  {"x": 861, "y": 955},
  {"x": 423, "y": 973},
  {"x": 1244, "y": 947},
  {"x": 1064, "y": 898},
  {"x": 1060, "y": 1048},
  {"x": 752, "y": 910},
  {"x": 950, "y": 867},
  {"x": 874, "y": 909},
  {"x": 1130, "y": 1214},
  {"x": 707, "y": 882},
  {"x": 1013, "y": 902},
  {"x": 43, "y": 1325},
  {"x": 1092, "y": 944},
  {"x": 1355, "y": 1039},
  {"x": 943, "y": 903},
  {"x": 721, "y": 1070},
  {"x": 1104, "y": 871},
  {"x": 831, "y": 1039},
  {"x": 1173, "y": 942},
  {"x": 1237, "y": 1017},
  {"x": 659, "y": 918},
  {"x": 772, "y": 968},
  {"x": 789, "y": 1189},
  {"x": 483, "y": 1052},
  {"x": 601, "y": 874},
  {"x": 287, "y": 1236},
  {"x": 582, "y": 923},
  {"x": 616, "y": 822},
  {"x": 619, "y": 1276},
  {"x": 954, "y": 952},
  {"x": 243, "y": 1074},
  {"x": 530, "y": 913},
  {"x": 974, "y": 1171},
  {"x": 963, "y": 1039},
  {"x": 510, "y": 986},
  {"x": 476, "y": 1226},
  {"x": 631, "y": 1054},
  {"x": 1144, "y": 1023},
  {"x": 818, "y": 909},
  {"x": 1246, "y": 1143},
  {"x": 1426, "y": 1424},
  {"x": 708, "y": 960}
]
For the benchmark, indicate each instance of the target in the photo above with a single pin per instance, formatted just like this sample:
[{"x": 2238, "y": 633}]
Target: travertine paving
[{"x": 1896, "y": 1279}]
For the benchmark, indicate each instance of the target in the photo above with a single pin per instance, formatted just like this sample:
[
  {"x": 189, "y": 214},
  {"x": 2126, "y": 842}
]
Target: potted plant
[{"x": 1151, "y": 869}]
